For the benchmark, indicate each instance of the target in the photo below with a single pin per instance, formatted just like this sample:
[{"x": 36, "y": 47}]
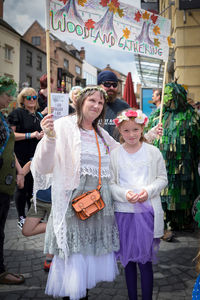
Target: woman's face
[
  {"x": 92, "y": 107},
  {"x": 30, "y": 101},
  {"x": 5, "y": 99}
]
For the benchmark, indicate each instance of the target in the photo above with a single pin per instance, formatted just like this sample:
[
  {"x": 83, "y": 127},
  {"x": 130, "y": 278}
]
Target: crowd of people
[{"x": 134, "y": 167}]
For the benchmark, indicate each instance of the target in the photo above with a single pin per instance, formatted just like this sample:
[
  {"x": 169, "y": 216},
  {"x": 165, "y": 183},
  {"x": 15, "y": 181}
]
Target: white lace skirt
[{"x": 80, "y": 272}]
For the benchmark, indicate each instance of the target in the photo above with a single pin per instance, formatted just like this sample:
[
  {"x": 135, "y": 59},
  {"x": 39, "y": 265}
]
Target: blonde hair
[
  {"x": 121, "y": 140},
  {"x": 28, "y": 91}
]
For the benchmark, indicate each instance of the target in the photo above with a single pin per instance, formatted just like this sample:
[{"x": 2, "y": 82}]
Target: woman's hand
[
  {"x": 47, "y": 125},
  {"x": 132, "y": 197},
  {"x": 37, "y": 135},
  {"x": 143, "y": 196},
  {"x": 45, "y": 111},
  {"x": 20, "y": 180}
]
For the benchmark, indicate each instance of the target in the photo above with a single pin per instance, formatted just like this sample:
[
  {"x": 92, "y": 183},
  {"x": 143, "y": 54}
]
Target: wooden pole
[
  {"x": 48, "y": 56},
  {"x": 163, "y": 88}
]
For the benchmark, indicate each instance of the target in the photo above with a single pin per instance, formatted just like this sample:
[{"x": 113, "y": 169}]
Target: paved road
[{"x": 174, "y": 276}]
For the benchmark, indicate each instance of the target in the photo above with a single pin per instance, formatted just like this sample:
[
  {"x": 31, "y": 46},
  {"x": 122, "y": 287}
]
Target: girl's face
[{"x": 131, "y": 132}]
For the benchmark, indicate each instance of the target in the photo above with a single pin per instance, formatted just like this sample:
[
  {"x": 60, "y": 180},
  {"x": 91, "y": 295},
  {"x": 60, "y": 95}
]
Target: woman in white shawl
[{"x": 67, "y": 158}]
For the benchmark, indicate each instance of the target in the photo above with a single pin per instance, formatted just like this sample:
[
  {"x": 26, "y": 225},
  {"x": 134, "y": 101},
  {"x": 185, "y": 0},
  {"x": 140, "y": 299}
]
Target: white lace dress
[{"x": 91, "y": 242}]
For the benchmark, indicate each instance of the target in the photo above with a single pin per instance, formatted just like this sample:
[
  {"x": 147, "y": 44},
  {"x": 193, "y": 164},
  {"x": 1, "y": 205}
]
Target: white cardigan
[{"x": 156, "y": 182}]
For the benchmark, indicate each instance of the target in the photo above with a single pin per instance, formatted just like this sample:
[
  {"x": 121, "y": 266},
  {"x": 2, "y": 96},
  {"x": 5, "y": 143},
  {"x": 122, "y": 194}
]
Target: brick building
[{"x": 65, "y": 60}]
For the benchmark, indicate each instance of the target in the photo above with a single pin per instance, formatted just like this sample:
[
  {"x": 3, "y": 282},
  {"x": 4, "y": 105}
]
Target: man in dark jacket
[{"x": 109, "y": 82}]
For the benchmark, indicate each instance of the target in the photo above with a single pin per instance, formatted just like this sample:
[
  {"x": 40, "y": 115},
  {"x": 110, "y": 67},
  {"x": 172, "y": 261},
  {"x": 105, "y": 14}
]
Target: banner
[{"x": 113, "y": 25}]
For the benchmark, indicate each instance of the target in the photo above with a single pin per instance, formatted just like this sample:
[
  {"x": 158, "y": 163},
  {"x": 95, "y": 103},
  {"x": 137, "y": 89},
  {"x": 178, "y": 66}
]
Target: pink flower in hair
[
  {"x": 116, "y": 121},
  {"x": 131, "y": 113}
]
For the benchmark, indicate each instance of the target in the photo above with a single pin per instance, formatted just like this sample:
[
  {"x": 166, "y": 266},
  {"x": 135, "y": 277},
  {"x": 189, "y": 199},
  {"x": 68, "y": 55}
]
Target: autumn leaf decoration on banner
[
  {"x": 89, "y": 24},
  {"x": 126, "y": 32},
  {"x": 113, "y": 5},
  {"x": 169, "y": 41},
  {"x": 82, "y": 2},
  {"x": 156, "y": 30},
  {"x": 148, "y": 20}
]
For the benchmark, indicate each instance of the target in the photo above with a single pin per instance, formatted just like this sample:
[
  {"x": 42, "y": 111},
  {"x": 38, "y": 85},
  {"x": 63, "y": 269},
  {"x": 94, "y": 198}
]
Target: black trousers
[
  {"x": 23, "y": 196},
  {"x": 4, "y": 207}
]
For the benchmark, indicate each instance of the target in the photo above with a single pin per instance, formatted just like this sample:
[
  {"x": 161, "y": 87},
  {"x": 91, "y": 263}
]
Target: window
[
  {"x": 39, "y": 63},
  {"x": 78, "y": 70},
  {"x": 8, "y": 52},
  {"x": 36, "y": 40},
  {"x": 29, "y": 58},
  {"x": 66, "y": 64},
  {"x": 68, "y": 83},
  {"x": 29, "y": 80}
]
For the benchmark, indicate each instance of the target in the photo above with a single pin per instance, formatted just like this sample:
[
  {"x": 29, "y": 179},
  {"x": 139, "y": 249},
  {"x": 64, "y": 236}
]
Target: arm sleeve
[
  {"x": 118, "y": 192},
  {"x": 160, "y": 181},
  {"x": 43, "y": 160},
  {"x": 13, "y": 118}
]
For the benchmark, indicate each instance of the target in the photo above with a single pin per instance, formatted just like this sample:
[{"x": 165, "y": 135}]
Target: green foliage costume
[{"x": 180, "y": 146}]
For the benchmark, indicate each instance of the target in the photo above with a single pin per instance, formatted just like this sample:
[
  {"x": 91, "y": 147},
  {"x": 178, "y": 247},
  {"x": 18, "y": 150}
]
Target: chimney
[
  {"x": 82, "y": 53},
  {"x": 1, "y": 8}
]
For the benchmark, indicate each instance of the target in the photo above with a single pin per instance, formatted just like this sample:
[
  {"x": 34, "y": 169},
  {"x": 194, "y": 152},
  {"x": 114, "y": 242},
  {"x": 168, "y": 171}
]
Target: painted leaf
[
  {"x": 156, "y": 30},
  {"x": 138, "y": 16},
  {"x": 120, "y": 12},
  {"x": 156, "y": 42},
  {"x": 89, "y": 24},
  {"x": 104, "y": 3},
  {"x": 169, "y": 41},
  {"x": 112, "y": 8},
  {"x": 82, "y": 2},
  {"x": 154, "y": 18},
  {"x": 126, "y": 32},
  {"x": 115, "y": 2},
  {"x": 146, "y": 15}
]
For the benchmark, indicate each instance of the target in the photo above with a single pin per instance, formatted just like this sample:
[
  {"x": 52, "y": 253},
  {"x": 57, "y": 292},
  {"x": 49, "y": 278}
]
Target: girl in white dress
[{"x": 138, "y": 176}]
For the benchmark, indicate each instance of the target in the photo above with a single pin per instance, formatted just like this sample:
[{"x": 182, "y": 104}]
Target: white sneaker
[{"x": 21, "y": 221}]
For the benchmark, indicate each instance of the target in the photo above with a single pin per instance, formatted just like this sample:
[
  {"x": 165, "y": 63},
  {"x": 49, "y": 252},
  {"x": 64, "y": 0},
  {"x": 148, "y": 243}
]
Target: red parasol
[{"x": 129, "y": 94}]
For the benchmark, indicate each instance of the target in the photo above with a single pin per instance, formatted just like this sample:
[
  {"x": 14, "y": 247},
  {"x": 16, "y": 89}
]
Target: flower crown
[
  {"x": 93, "y": 88},
  {"x": 138, "y": 116}
]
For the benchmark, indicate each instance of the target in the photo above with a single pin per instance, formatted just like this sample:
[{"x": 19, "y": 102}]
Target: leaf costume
[{"x": 180, "y": 146}]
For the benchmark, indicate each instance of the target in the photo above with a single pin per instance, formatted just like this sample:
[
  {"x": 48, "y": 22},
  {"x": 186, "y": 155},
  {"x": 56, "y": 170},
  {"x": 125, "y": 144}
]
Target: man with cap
[{"x": 109, "y": 82}]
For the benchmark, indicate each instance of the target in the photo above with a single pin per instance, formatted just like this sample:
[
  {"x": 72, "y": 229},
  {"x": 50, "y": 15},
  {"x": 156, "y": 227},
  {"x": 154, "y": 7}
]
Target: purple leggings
[{"x": 146, "y": 272}]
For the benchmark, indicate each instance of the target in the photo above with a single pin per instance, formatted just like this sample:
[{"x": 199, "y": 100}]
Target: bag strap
[{"x": 99, "y": 186}]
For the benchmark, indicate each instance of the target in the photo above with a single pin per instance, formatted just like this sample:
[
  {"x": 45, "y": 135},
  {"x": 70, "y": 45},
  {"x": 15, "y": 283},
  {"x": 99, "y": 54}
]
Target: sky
[{"x": 20, "y": 14}]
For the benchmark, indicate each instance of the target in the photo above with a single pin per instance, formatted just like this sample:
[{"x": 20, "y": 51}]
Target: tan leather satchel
[{"x": 90, "y": 202}]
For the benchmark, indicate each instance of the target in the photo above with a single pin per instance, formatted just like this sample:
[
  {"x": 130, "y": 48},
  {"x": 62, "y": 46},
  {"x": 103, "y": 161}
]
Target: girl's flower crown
[{"x": 138, "y": 116}]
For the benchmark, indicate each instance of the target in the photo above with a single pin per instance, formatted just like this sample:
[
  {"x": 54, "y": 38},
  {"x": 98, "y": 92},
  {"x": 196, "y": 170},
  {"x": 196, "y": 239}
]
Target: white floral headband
[{"x": 138, "y": 116}]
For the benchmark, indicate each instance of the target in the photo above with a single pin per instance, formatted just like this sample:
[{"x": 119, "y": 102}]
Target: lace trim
[{"x": 90, "y": 158}]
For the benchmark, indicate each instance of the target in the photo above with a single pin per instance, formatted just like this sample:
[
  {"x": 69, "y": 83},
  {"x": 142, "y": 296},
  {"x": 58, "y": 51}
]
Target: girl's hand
[
  {"x": 143, "y": 196},
  {"x": 132, "y": 197},
  {"x": 47, "y": 125}
]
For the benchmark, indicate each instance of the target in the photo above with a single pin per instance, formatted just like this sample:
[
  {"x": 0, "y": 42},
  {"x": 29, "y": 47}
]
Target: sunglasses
[
  {"x": 30, "y": 97},
  {"x": 109, "y": 84}
]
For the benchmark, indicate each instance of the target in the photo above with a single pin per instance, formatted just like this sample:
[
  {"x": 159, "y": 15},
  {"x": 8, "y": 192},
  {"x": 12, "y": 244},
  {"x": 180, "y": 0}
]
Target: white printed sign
[{"x": 60, "y": 103}]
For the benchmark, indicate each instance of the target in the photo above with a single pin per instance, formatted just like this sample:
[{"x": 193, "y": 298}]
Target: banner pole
[
  {"x": 48, "y": 56},
  {"x": 163, "y": 88}
]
